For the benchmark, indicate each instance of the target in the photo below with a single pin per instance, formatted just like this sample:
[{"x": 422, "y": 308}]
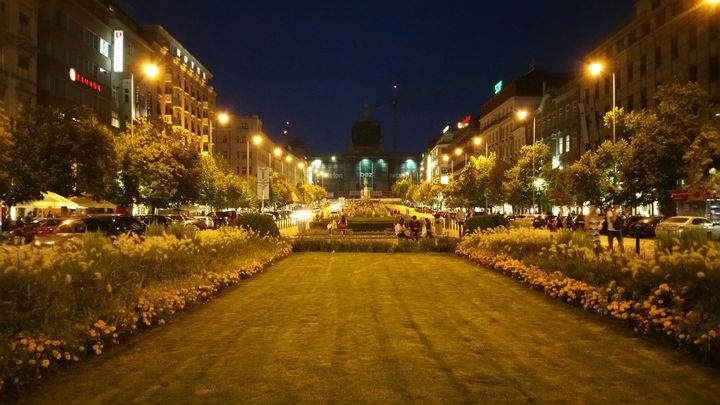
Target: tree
[
  {"x": 156, "y": 166},
  {"x": 702, "y": 161},
  {"x": 6, "y": 145},
  {"x": 425, "y": 193},
  {"x": 310, "y": 193},
  {"x": 67, "y": 151},
  {"x": 472, "y": 187},
  {"x": 597, "y": 177},
  {"x": 401, "y": 187},
  {"x": 659, "y": 140},
  {"x": 527, "y": 180},
  {"x": 281, "y": 191}
]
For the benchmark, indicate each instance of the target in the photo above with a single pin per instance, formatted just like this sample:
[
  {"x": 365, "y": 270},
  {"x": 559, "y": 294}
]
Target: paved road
[{"x": 384, "y": 328}]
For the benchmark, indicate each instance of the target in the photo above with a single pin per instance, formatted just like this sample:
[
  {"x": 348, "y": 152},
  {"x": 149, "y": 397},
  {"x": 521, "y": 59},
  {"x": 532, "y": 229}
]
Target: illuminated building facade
[
  {"x": 185, "y": 99},
  {"x": 365, "y": 163}
]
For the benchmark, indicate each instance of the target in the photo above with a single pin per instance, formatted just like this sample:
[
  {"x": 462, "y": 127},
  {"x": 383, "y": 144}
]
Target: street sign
[{"x": 263, "y": 183}]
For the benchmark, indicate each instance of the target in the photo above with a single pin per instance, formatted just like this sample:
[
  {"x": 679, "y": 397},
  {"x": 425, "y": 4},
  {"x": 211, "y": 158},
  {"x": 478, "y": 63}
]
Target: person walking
[
  {"x": 428, "y": 228},
  {"x": 592, "y": 226},
  {"x": 460, "y": 219},
  {"x": 615, "y": 222}
]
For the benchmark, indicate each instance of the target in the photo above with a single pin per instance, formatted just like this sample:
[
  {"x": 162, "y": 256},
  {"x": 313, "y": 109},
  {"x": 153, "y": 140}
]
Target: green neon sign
[{"x": 498, "y": 87}]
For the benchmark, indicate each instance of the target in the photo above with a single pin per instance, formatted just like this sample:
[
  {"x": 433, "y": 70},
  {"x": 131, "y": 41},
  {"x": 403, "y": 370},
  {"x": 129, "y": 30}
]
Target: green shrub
[
  {"x": 155, "y": 229},
  {"x": 360, "y": 225},
  {"x": 483, "y": 222},
  {"x": 688, "y": 239},
  {"x": 446, "y": 245},
  {"x": 261, "y": 224}
]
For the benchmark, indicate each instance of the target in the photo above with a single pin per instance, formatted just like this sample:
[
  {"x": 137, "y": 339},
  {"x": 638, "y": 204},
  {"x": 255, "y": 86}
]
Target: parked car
[
  {"x": 27, "y": 233},
  {"x": 539, "y": 221},
  {"x": 107, "y": 224},
  {"x": 644, "y": 227},
  {"x": 187, "y": 221},
  {"x": 629, "y": 222},
  {"x": 676, "y": 225},
  {"x": 208, "y": 221},
  {"x": 155, "y": 219}
]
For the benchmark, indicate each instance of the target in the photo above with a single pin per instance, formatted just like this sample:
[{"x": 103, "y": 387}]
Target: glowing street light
[
  {"x": 151, "y": 70},
  {"x": 596, "y": 69},
  {"x": 223, "y": 118}
]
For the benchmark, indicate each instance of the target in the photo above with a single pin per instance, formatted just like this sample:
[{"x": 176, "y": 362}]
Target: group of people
[
  {"x": 415, "y": 228},
  {"x": 614, "y": 221}
]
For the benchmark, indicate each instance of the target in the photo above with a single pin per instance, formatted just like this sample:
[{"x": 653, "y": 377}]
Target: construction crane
[{"x": 397, "y": 97}]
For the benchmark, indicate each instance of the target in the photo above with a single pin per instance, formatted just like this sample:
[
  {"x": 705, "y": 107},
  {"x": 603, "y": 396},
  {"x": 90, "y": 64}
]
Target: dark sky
[{"x": 316, "y": 63}]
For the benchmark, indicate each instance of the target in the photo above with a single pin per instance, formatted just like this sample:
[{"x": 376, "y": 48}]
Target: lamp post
[
  {"x": 222, "y": 119},
  {"x": 522, "y": 116},
  {"x": 257, "y": 140},
  {"x": 151, "y": 71},
  {"x": 596, "y": 69}
]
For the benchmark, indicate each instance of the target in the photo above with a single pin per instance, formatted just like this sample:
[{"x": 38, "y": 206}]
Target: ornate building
[{"x": 364, "y": 163}]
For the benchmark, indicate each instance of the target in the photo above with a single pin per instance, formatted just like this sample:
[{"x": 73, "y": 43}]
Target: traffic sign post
[{"x": 263, "y": 185}]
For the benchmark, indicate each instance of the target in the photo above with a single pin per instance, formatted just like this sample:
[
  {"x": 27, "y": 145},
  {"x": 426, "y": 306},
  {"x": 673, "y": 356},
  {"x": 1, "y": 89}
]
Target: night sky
[{"x": 316, "y": 63}]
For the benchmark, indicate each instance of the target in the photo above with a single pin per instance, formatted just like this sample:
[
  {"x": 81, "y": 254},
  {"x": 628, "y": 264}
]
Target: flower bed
[
  {"x": 60, "y": 304},
  {"x": 672, "y": 295}
]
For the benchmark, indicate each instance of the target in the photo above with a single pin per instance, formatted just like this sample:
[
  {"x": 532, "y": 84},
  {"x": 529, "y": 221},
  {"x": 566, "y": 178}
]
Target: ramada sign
[{"x": 77, "y": 77}]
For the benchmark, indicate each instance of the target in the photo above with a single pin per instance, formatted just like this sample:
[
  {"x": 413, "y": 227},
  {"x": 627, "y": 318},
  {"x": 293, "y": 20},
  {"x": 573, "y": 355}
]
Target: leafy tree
[
  {"x": 472, "y": 187},
  {"x": 597, "y": 176},
  {"x": 63, "y": 150},
  {"x": 310, "y": 193},
  {"x": 659, "y": 140},
  {"x": 401, "y": 188},
  {"x": 702, "y": 161},
  {"x": 6, "y": 145},
  {"x": 425, "y": 193},
  {"x": 527, "y": 180},
  {"x": 562, "y": 190},
  {"x": 212, "y": 186},
  {"x": 155, "y": 168},
  {"x": 281, "y": 191},
  {"x": 240, "y": 191}
]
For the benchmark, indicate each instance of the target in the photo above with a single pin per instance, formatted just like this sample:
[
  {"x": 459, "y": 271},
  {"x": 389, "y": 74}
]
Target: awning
[
  {"x": 51, "y": 200},
  {"x": 88, "y": 202}
]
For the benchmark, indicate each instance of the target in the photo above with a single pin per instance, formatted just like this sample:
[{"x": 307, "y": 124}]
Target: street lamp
[
  {"x": 257, "y": 140},
  {"x": 223, "y": 119},
  {"x": 596, "y": 69},
  {"x": 151, "y": 71},
  {"x": 522, "y": 116}
]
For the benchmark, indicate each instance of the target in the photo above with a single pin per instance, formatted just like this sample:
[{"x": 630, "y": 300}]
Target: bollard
[{"x": 637, "y": 243}]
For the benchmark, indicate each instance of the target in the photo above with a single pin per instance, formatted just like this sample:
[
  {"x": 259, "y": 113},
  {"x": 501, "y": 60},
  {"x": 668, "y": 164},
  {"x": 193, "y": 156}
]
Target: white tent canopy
[{"x": 50, "y": 200}]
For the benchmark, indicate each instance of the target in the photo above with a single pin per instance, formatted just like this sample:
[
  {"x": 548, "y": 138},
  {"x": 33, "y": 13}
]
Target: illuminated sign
[
  {"x": 77, "y": 77},
  {"x": 118, "y": 51},
  {"x": 447, "y": 128},
  {"x": 498, "y": 87},
  {"x": 462, "y": 124}
]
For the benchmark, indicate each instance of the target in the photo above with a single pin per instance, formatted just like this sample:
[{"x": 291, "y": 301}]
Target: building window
[
  {"x": 674, "y": 48},
  {"x": 693, "y": 74},
  {"x": 630, "y": 72},
  {"x": 658, "y": 57},
  {"x": 643, "y": 99},
  {"x": 630, "y": 103},
  {"x": 714, "y": 69},
  {"x": 713, "y": 30},
  {"x": 692, "y": 37},
  {"x": 24, "y": 26},
  {"x": 643, "y": 65},
  {"x": 24, "y": 63},
  {"x": 115, "y": 120}
]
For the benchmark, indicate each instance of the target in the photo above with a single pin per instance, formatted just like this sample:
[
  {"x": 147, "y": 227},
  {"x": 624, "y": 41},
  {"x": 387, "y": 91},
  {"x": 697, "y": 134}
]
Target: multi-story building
[
  {"x": 186, "y": 101},
  {"x": 93, "y": 54},
  {"x": 499, "y": 128},
  {"x": 437, "y": 160},
  {"x": 558, "y": 123},
  {"x": 241, "y": 142},
  {"x": 666, "y": 40},
  {"x": 18, "y": 48}
]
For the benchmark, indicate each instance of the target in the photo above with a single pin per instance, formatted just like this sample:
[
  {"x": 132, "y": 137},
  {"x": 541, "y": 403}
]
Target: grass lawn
[{"x": 379, "y": 328}]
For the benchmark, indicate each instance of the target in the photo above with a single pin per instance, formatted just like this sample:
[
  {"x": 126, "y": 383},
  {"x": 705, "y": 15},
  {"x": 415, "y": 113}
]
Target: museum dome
[{"x": 366, "y": 132}]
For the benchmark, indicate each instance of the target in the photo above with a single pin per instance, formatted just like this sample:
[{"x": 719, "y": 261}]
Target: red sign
[{"x": 77, "y": 77}]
